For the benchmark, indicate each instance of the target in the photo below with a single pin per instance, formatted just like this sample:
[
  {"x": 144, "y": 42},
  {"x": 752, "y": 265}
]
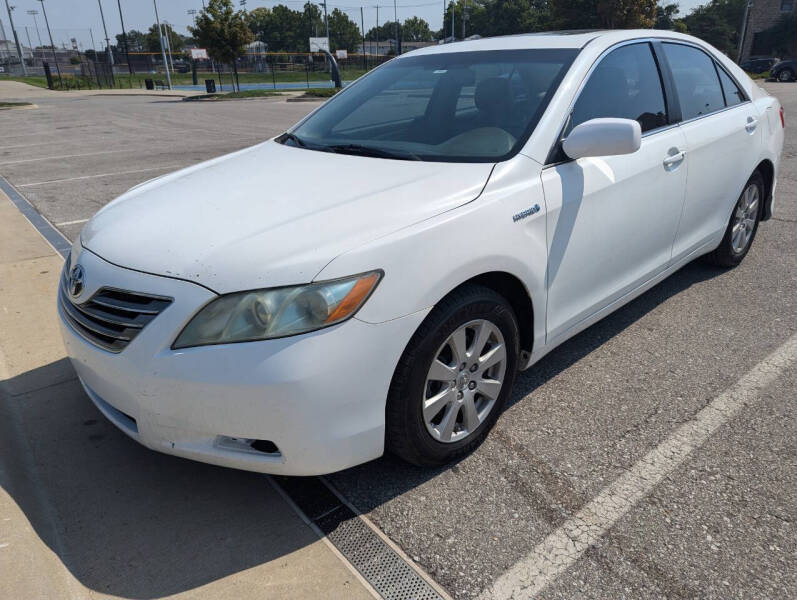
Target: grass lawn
[
  {"x": 321, "y": 92},
  {"x": 137, "y": 80},
  {"x": 14, "y": 104},
  {"x": 233, "y": 95},
  {"x": 312, "y": 93}
]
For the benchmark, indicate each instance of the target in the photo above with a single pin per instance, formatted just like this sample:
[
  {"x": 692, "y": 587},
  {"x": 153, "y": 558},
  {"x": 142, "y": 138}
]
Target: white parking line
[
  {"x": 76, "y": 222},
  {"x": 60, "y": 156},
  {"x": 566, "y": 545},
  {"x": 166, "y": 168},
  {"x": 26, "y": 145}
]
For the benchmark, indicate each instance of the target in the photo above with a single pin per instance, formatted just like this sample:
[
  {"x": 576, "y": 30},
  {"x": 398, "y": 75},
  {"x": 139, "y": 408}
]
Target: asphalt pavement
[{"x": 717, "y": 523}]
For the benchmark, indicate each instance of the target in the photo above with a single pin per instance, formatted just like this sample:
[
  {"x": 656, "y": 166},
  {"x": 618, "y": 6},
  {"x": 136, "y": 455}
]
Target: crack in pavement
[{"x": 578, "y": 534}]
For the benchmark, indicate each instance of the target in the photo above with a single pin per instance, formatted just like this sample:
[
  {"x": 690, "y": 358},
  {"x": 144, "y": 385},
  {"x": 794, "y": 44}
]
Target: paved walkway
[
  {"x": 16, "y": 90},
  {"x": 87, "y": 513}
]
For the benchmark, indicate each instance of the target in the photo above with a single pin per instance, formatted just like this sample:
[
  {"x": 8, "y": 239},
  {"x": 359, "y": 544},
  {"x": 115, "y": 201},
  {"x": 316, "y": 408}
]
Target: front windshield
[{"x": 454, "y": 106}]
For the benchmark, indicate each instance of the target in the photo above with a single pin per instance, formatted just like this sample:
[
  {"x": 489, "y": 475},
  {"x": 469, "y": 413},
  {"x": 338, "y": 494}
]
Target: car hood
[{"x": 271, "y": 215}]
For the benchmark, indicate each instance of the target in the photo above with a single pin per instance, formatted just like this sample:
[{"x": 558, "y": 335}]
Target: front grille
[{"x": 111, "y": 318}]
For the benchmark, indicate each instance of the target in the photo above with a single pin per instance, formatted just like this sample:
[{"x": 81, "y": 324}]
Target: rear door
[
  {"x": 722, "y": 132},
  {"x": 612, "y": 219}
]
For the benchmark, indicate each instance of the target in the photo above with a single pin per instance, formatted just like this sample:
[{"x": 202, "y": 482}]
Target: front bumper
[{"x": 319, "y": 397}]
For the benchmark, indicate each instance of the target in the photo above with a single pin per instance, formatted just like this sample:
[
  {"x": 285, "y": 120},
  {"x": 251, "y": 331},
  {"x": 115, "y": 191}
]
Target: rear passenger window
[
  {"x": 625, "y": 84},
  {"x": 696, "y": 80},
  {"x": 733, "y": 95}
]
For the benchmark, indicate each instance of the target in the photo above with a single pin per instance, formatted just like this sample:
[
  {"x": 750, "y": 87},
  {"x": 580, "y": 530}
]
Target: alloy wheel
[
  {"x": 464, "y": 381},
  {"x": 745, "y": 218},
  {"x": 785, "y": 75}
]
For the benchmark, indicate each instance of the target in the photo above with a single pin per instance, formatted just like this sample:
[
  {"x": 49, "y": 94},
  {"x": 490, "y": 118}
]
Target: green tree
[
  {"x": 717, "y": 22},
  {"x": 496, "y": 17},
  {"x": 223, "y": 32},
  {"x": 285, "y": 30},
  {"x": 313, "y": 23},
  {"x": 627, "y": 14},
  {"x": 152, "y": 39},
  {"x": 386, "y": 31},
  {"x": 135, "y": 39},
  {"x": 344, "y": 34},
  {"x": 666, "y": 18},
  {"x": 574, "y": 14},
  {"x": 605, "y": 14},
  {"x": 416, "y": 29}
]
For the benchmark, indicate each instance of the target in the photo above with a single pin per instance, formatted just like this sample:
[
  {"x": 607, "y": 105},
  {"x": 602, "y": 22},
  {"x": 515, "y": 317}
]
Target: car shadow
[
  {"x": 125, "y": 520},
  {"x": 134, "y": 523}
]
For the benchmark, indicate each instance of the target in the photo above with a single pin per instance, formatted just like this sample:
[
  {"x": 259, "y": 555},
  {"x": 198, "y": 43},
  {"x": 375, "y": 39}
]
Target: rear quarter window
[
  {"x": 733, "y": 95},
  {"x": 696, "y": 81}
]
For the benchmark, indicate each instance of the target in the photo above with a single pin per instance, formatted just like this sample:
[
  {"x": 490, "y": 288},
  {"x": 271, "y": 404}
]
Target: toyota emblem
[{"x": 76, "y": 278}]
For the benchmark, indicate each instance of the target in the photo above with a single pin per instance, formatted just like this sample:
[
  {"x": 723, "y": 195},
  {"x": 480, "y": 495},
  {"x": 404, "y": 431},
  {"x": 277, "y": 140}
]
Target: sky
[{"x": 81, "y": 18}]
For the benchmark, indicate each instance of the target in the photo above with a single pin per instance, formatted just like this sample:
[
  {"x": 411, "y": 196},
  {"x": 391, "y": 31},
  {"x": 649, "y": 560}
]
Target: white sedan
[{"x": 374, "y": 278}]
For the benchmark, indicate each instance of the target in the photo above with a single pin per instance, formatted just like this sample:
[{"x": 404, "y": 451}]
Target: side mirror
[{"x": 603, "y": 137}]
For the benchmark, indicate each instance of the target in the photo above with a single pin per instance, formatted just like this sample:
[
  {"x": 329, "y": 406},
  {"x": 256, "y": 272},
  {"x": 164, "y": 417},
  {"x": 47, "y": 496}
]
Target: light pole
[
  {"x": 167, "y": 29},
  {"x": 124, "y": 37},
  {"x": 107, "y": 39},
  {"x": 395, "y": 17},
  {"x": 326, "y": 22},
  {"x": 453, "y": 9},
  {"x": 52, "y": 44},
  {"x": 16, "y": 39},
  {"x": 326, "y": 25},
  {"x": 744, "y": 30},
  {"x": 163, "y": 50},
  {"x": 33, "y": 13}
]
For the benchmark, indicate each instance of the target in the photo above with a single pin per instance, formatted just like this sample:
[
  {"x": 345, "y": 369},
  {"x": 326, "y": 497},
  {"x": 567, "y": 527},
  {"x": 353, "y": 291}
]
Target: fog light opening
[{"x": 265, "y": 446}]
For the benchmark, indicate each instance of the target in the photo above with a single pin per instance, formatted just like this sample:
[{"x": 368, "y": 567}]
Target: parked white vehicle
[{"x": 374, "y": 278}]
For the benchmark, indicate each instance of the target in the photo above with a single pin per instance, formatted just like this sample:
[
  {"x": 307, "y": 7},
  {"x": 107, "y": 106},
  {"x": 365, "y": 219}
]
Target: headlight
[{"x": 278, "y": 312}]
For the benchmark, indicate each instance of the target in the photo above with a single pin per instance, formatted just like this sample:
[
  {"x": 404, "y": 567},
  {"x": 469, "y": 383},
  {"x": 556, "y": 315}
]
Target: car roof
[{"x": 552, "y": 39}]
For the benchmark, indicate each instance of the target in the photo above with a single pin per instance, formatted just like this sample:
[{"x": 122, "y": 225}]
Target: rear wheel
[
  {"x": 786, "y": 75},
  {"x": 454, "y": 377},
  {"x": 742, "y": 226}
]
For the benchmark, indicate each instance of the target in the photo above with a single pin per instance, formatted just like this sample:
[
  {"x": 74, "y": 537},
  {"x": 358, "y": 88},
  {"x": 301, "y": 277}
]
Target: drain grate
[{"x": 383, "y": 568}]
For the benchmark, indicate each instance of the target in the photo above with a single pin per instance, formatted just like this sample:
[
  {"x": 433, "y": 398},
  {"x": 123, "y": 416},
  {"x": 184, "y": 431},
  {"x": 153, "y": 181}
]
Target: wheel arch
[
  {"x": 514, "y": 290},
  {"x": 767, "y": 170}
]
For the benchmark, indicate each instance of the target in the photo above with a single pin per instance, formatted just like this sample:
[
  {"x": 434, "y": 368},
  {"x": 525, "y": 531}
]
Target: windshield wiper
[
  {"x": 360, "y": 150},
  {"x": 292, "y": 137}
]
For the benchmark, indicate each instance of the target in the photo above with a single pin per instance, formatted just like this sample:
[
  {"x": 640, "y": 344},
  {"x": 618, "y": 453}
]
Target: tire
[
  {"x": 731, "y": 251},
  {"x": 786, "y": 75},
  {"x": 483, "y": 315}
]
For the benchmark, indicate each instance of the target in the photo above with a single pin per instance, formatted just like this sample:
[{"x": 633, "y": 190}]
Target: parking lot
[{"x": 717, "y": 522}]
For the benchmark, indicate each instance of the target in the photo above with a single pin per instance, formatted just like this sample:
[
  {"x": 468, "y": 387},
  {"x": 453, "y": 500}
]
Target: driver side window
[{"x": 626, "y": 84}]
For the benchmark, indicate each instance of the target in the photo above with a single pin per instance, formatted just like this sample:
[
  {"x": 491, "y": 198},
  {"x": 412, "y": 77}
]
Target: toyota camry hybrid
[{"x": 372, "y": 279}]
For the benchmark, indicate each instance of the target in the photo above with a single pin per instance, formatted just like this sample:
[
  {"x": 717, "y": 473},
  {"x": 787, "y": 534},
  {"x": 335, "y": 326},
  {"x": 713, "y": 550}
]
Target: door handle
[
  {"x": 674, "y": 159},
  {"x": 752, "y": 123}
]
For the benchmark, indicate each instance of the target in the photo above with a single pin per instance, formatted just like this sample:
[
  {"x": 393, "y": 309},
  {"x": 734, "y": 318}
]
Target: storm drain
[{"x": 381, "y": 566}]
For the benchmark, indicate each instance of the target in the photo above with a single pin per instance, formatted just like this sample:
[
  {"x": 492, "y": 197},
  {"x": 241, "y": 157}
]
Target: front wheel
[
  {"x": 742, "y": 226},
  {"x": 454, "y": 377},
  {"x": 785, "y": 75}
]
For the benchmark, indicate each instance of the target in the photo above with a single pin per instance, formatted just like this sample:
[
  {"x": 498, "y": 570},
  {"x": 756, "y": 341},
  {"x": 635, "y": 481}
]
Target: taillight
[{"x": 782, "y": 118}]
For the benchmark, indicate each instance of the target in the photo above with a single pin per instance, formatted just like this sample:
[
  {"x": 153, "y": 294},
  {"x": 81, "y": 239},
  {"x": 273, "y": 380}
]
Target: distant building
[
  {"x": 8, "y": 52},
  {"x": 386, "y": 47},
  {"x": 763, "y": 15}
]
